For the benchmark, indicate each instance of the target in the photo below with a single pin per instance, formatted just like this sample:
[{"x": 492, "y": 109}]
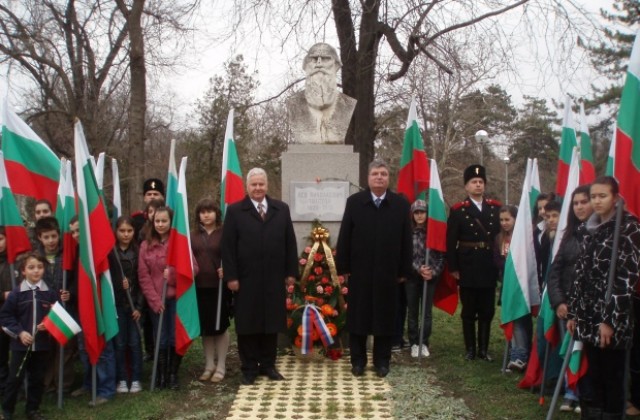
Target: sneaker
[
  {"x": 135, "y": 387},
  {"x": 415, "y": 350},
  {"x": 568, "y": 405},
  {"x": 122, "y": 387},
  {"x": 516, "y": 365},
  {"x": 424, "y": 351}
]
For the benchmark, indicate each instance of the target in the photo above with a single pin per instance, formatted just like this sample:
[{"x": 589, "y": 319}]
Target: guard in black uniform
[
  {"x": 152, "y": 189},
  {"x": 471, "y": 229}
]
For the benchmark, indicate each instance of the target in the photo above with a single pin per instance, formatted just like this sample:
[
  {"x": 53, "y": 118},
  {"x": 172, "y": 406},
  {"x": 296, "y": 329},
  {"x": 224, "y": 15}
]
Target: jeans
[
  {"x": 413, "y": 290},
  {"x": 128, "y": 338},
  {"x": 105, "y": 369},
  {"x": 167, "y": 336},
  {"x": 521, "y": 341}
]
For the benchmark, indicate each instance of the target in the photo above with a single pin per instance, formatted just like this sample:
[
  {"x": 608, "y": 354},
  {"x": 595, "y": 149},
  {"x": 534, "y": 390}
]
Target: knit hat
[{"x": 418, "y": 205}]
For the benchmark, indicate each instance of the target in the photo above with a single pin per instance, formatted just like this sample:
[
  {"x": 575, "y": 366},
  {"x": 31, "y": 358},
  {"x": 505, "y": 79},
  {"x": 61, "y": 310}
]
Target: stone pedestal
[{"x": 316, "y": 180}]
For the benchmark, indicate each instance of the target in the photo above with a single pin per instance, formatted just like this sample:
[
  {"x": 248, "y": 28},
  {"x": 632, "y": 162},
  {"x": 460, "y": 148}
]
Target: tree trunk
[{"x": 138, "y": 106}]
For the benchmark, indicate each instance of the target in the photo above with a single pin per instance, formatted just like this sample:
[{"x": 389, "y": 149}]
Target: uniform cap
[
  {"x": 153, "y": 184},
  {"x": 475, "y": 171}
]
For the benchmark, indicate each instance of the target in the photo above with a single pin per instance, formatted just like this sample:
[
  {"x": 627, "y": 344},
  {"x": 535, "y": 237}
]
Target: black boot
[
  {"x": 484, "y": 332},
  {"x": 469, "y": 333},
  {"x": 161, "y": 372},
  {"x": 173, "y": 372}
]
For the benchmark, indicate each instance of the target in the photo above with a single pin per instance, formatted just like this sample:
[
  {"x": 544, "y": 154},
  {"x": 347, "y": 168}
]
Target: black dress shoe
[
  {"x": 485, "y": 356},
  {"x": 248, "y": 379},
  {"x": 382, "y": 371},
  {"x": 357, "y": 370},
  {"x": 272, "y": 374},
  {"x": 471, "y": 355}
]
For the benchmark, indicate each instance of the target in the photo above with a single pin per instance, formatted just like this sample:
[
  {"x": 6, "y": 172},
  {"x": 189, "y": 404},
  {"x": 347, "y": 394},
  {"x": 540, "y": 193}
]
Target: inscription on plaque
[{"x": 312, "y": 200}]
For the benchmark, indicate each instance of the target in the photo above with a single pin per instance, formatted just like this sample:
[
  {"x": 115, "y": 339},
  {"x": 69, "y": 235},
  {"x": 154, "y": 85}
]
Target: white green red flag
[
  {"x": 573, "y": 181},
  {"x": 567, "y": 142},
  {"x": 231, "y": 186},
  {"x": 117, "y": 198},
  {"x": 100, "y": 172},
  {"x": 60, "y": 198},
  {"x": 520, "y": 282},
  {"x": 96, "y": 303},
  {"x": 172, "y": 177},
  {"x": 547, "y": 314},
  {"x": 587, "y": 167},
  {"x": 611, "y": 157},
  {"x": 578, "y": 363},
  {"x": 413, "y": 177},
  {"x": 65, "y": 211},
  {"x": 60, "y": 324},
  {"x": 446, "y": 293},
  {"x": 32, "y": 167},
  {"x": 180, "y": 257},
  {"x": 534, "y": 188},
  {"x": 14, "y": 230},
  {"x": 627, "y": 158}
]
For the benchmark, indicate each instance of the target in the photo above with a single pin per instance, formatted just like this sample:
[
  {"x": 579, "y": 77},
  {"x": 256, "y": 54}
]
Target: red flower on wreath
[
  {"x": 289, "y": 322},
  {"x": 345, "y": 290},
  {"x": 334, "y": 354},
  {"x": 318, "y": 270},
  {"x": 307, "y": 249},
  {"x": 319, "y": 289},
  {"x": 297, "y": 341},
  {"x": 327, "y": 310},
  {"x": 311, "y": 277},
  {"x": 328, "y": 290},
  {"x": 324, "y": 280},
  {"x": 302, "y": 261},
  {"x": 333, "y": 330},
  {"x": 318, "y": 257}
]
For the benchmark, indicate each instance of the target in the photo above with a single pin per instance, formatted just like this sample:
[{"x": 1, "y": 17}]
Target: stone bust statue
[{"x": 320, "y": 113}]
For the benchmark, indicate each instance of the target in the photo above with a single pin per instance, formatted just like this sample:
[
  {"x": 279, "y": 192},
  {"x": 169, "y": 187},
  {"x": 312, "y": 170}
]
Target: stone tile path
[{"x": 318, "y": 388}]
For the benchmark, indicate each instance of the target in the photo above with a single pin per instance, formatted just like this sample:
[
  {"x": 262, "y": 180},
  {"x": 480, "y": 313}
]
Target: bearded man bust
[{"x": 320, "y": 113}]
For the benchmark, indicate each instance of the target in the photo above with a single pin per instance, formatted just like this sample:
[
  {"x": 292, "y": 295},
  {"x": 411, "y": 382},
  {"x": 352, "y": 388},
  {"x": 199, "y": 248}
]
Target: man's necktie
[
  {"x": 377, "y": 201},
  {"x": 261, "y": 211}
]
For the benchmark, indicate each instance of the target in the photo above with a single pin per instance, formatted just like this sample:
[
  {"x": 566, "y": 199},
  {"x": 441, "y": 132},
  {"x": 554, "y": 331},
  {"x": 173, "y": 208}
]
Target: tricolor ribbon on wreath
[{"x": 311, "y": 319}]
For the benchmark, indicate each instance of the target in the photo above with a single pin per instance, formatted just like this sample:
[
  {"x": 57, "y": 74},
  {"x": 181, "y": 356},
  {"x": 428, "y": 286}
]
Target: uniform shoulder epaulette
[
  {"x": 460, "y": 205},
  {"x": 493, "y": 202}
]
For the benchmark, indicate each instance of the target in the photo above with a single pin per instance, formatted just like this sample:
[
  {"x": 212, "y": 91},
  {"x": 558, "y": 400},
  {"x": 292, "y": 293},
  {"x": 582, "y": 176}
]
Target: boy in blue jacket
[{"x": 21, "y": 318}]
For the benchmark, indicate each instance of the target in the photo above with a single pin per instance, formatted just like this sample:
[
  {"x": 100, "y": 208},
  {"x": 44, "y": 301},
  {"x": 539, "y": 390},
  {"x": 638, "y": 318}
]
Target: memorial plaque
[{"x": 312, "y": 200}]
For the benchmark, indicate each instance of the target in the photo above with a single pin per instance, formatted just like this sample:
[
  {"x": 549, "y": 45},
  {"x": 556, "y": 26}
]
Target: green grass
[{"x": 443, "y": 386}]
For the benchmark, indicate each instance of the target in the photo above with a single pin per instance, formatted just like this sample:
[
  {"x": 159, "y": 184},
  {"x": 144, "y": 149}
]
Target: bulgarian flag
[
  {"x": 15, "y": 232},
  {"x": 567, "y": 143},
  {"x": 117, "y": 199},
  {"x": 587, "y": 168},
  {"x": 231, "y": 186},
  {"x": 60, "y": 324},
  {"x": 520, "y": 282},
  {"x": 179, "y": 256},
  {"x": 627, "y": 157},
  {"x": 100, "y": 172},
  {"x": 32, "y": 167},
  {"x": 534, "y": 188},
  {"x": 65, "y": 211},
  {"x": 95, "y": 291},
  {"x": 413, "y": 178},
  {"x": 578, "y": 363},
  {"x": 172, "y": 177},
  {"x": 612, "y": 154},
  {"x": 547, "y": 314},
  {"x": 446, "y": 293}
]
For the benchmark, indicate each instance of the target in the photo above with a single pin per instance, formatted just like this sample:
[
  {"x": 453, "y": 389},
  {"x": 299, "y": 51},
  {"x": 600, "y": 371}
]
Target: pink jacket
[{"x": 151, "y": 264}]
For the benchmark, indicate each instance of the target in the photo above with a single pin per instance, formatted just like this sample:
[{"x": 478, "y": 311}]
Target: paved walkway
[{"x": 318, "y": 388}]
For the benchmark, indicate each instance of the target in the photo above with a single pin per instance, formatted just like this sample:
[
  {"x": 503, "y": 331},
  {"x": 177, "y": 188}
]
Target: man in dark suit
[
  {"x": 259, "y": 259},
  {"x": 471, "y": 230},
  {"x": 374, "y": 252}
]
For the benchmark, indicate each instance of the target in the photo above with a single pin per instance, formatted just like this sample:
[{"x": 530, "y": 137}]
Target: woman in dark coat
[{"x": 604, "y": 326}]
